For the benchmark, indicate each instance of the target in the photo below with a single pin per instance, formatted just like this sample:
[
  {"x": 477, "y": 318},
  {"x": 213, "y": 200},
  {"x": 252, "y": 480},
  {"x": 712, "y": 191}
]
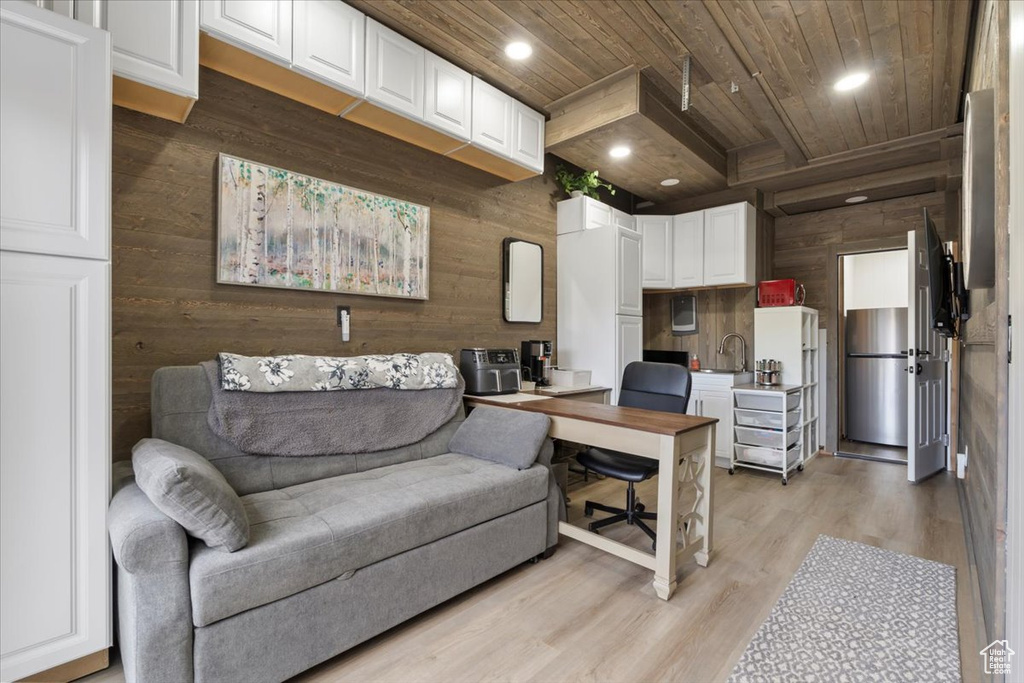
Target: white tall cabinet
[
  {"x": 55, "y": 339},
  {"x": 600, "y": 297}
]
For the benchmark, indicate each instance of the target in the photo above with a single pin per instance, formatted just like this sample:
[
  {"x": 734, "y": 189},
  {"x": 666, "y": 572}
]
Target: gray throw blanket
[{"x": 327, "y": 422}]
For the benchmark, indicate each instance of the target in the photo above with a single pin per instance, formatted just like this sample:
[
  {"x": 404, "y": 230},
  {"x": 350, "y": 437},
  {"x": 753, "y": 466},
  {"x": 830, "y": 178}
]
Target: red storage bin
[{"x": 779, "y": 293}]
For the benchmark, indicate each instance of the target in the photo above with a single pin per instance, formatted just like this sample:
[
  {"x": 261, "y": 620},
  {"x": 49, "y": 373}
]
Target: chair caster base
[{"x": 732, "y": 470}]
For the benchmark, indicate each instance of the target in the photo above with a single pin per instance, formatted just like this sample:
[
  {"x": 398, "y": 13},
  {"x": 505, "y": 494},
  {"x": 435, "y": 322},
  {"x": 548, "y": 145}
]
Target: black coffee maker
[{"x": 535, "y": 356}]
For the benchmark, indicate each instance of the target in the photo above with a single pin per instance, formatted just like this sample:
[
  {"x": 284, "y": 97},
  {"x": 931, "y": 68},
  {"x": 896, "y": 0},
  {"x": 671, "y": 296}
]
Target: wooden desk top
[{"x": 653, "y": 421}]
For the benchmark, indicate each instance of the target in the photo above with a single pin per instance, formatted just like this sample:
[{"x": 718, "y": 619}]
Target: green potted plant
[{"x": 585, "y": 183}]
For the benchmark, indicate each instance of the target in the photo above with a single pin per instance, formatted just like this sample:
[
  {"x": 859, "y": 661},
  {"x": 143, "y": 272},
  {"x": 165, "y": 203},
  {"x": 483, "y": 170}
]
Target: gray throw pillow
[
  {"x": 509, "y": 437},
  {"x": 187, "y": 488}
]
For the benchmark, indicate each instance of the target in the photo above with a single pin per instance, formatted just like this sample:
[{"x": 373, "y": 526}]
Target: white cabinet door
[
  {"x": 629, "y": 346},
  {"x": 64, "y": 7},
  {"x": 260, "y": 26},
  {"x": 527, "y": 136},
  {"x": 394, "y": 70},
  {"x": 629, "y": 295},
  {"x": 688, "y": 250},
  {"x": 55, "y": 165},
  {"x": 492, "y": 118},
  {"x": 718, "y": 404},
  {"x": 657, "y": 252},
  {"x": 54, "y": 460},
  {"x": 449, "y": 97},
  {"x": 623, "y": 220},
  {"x": 729, "y": 245},
  {"x": 154, "y": 42},
  {"x": 329, "y": 43}
]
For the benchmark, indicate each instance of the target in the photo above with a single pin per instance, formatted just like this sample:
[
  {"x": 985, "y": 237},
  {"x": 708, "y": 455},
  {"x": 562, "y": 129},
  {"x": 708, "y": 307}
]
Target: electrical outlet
[{"x": 342, "y": 312}]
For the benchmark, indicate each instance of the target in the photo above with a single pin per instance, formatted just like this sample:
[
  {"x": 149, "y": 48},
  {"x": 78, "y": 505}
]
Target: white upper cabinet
[
  {"x": 449, "y": 97},
  {"x": 657, "y": 251},
  {"x": 329, "y": 43},
  {"x": 527, "y": 136},
  {"x": 394, "y": 70},
  {"x": 688, "y": 250},
  {"x": 623, "y": 220},
  {"x": 154, "y": 42},
  {"x": 583, "y": 213},
  {"x": 492, "y": 118},
  {"x": 55, "y": 165},
  {"x": 262, "y": 25},
  {"x": 729, "y": 245},
  {"x": 629, "y": 297}
]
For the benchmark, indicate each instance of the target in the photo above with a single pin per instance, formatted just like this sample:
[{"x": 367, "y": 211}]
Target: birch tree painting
[{"x": 283, "y": 229}]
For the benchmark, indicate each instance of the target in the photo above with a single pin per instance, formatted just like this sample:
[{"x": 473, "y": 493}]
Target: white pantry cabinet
[
  {"x": 261, "y": 25},
  {"x": 527, "y": 136},
  {"x": 623, "y": 220},
  {"x": 155, "y": 42},
  {"x": 583, "y": 213},
  {"x": 657, "y": 253},
  {"x": 729, "y": 245},
  {"x": 492, "y": 118},
  {"x": 55, "y": 411},
  {"x": 688, "y": 250},
  {"x": 328, "y": 43},
  {"x": 449, "y": 97},
  {"x": 629, "y": 298},
  {"x": 394, "y": 70}
]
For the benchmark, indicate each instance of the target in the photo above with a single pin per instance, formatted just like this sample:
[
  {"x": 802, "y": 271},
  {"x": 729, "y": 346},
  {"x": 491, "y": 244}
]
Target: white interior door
[{"x": 926, "y": 372}]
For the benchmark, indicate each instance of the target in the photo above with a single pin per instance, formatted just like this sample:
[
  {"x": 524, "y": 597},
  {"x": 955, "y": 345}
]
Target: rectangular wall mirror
[{"x": 523, "y": 275}]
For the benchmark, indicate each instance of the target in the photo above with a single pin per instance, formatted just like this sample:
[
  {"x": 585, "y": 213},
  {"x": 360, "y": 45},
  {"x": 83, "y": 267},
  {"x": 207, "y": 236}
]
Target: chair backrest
[{"x": 655, "y": 386}]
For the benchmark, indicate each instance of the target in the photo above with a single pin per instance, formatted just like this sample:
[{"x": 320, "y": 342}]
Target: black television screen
[{"x": 939, "y": 281}]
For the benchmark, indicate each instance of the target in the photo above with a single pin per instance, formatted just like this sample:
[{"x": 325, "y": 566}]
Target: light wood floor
[{"x": 583, "y": 615}]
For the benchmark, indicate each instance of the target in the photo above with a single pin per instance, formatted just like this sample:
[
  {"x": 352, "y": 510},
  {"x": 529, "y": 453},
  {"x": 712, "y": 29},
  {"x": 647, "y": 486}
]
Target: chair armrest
[{"x": 145, "y": 540}]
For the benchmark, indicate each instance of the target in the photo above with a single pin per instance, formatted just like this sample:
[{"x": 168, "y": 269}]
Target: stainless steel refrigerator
[{"x": 876, "y": 378}]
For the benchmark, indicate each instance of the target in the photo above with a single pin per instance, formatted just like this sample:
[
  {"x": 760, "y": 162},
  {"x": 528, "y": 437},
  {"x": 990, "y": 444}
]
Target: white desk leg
[
  {"x": 704, "y": 507},
  {"x": 668, "y": 518}
]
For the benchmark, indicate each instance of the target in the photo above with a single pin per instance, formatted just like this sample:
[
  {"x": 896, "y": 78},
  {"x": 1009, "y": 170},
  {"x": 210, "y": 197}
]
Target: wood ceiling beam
[
  {"x": 926, "y": 177},
  {"x": 762, "y": 165}
]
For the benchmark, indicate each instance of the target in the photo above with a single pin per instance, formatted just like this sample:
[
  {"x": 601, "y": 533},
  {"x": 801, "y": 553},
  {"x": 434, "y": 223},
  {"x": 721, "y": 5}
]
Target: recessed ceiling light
[
  {"x": 518, "y": 50},
  {"x": 619, "y": 152},
  {"x": 851, "y": 81},
  {"x": 669, "y": 182},
  {"x": 857, "y": 199}
]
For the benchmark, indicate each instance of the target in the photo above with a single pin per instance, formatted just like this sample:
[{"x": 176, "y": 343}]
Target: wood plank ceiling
[{"x": 784, "y": 55}]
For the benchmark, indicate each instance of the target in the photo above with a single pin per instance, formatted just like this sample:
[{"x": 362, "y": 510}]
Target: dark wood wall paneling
[
  {"x": 167, "y": 308},
  {"x": 983, "y": 375},
  {"x": 808, "y": 246}
]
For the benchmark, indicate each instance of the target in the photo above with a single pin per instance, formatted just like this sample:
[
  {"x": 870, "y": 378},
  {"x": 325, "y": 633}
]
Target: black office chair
[{"x": 654, "y": 386}]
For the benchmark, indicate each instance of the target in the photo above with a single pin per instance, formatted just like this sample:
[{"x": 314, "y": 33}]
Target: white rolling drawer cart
[{"x": 769, "y": 429}]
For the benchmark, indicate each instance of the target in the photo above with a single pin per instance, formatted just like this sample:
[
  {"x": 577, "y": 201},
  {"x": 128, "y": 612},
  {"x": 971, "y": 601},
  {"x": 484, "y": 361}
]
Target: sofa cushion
[
  {"x": 304, "y": 535},
  {"x": 184, "y": 486},
  {"x": 509, "y": 437}
]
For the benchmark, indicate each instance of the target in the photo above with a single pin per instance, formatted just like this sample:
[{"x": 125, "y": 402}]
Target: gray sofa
[{"x": 341, "y": 547}]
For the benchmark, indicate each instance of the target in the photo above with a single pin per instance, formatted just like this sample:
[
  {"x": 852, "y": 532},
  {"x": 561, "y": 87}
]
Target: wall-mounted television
[{"x": 945, "y": 284}]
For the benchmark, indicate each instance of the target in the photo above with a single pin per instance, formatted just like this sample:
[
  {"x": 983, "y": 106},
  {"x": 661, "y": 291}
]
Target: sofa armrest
[
  {"x": 556, "y": 503},
  {"x": 145, "y": 540},
  {"x": 154, "y": 602}
]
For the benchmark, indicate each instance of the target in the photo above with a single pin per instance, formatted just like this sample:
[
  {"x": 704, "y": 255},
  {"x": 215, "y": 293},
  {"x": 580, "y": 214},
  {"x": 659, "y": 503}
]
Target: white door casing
[{"x": 926, "y": 372}]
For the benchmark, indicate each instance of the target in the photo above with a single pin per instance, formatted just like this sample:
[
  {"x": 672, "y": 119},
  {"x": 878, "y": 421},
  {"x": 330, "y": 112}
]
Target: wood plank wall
[
  {"x": 719, "y": 311},
  {"x": 808, "y": 246},
  {"x": 167, "y": 308},
  {"x": 983, "y": 377}
]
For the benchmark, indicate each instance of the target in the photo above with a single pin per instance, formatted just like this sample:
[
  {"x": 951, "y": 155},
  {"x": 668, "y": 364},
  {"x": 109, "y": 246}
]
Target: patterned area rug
[{"x": 854, "y": 612}]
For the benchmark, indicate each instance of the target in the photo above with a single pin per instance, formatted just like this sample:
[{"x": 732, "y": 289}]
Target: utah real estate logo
[{"x": 997, "y": 657}]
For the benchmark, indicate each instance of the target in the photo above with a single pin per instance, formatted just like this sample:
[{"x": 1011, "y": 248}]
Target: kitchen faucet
[{"x": 743, "y": 349}]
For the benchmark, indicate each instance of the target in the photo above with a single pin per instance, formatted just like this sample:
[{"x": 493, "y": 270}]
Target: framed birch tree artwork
[{"x": 282, "y": 229}]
